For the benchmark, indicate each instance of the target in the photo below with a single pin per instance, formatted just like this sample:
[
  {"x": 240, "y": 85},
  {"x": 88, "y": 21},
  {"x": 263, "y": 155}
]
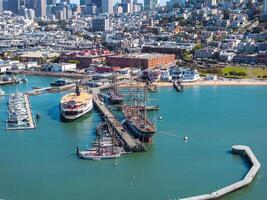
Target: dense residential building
[
  {"x": 51, "y": 2},
  {"x": 259, "y": 58},
  {"x": 211, "y": 3},
  {"x": 98, "y": 4},
  {"x": 29, "y": 14},
  {"x": 150, "y": 4},
  {"x": 100, "y": 24}
]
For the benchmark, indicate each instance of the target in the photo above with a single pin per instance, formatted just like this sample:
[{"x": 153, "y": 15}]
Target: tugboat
[
  {"x": 178, "y": 86},
  {"x": 75, "y": 105}
]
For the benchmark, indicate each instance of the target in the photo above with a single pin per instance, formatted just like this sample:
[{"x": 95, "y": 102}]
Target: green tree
[
  {"x": 74, "y": 62},
  {"x": 232, "y": 73},
  {"x": 197, "y": 47},
  {"x": 241, "y": 74}
]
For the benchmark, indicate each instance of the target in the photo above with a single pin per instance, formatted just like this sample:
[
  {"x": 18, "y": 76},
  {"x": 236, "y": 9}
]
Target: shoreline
[
  {"x": 232, "y": 82},
  {"x": 243, "y": 82}
]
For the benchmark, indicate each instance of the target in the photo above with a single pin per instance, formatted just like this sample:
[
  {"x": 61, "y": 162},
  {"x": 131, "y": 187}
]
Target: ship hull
[
  {"x": 141, "y": 135},
  {"x": 80, "y": 112},
  {"x": 86, "y": 155},
  {"x": 115, "y": 101},
  {"x": 179, "y": 88}
]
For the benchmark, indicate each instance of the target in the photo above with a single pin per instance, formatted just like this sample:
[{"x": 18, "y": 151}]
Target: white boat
[
  {"x": 94, "y": 155},
  {"x": 2, "y": 93},
  {"x": 190, "y": 76},
  {"x": 75, "y": 105}
]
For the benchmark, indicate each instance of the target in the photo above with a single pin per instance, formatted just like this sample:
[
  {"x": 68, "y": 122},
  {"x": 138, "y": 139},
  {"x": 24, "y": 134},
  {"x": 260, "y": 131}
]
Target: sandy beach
[
  {"x": 240, "y": 82},
  {"x": 243, "y": 82}
]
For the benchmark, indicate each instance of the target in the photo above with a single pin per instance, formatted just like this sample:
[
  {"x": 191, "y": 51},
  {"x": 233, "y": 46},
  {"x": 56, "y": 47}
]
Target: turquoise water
[{"x": 41, "y": 164}]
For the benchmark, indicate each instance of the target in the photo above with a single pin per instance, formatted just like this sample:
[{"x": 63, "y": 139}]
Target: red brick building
[
  {"x": 143, "y": 60},
  {"x": 86, "y": 57}
]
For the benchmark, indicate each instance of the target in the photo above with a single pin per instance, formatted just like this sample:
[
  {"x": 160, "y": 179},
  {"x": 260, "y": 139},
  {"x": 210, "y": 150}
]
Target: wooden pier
[
  {"x": 255, "y": 166},
  {"x": 130, "y": 143}
]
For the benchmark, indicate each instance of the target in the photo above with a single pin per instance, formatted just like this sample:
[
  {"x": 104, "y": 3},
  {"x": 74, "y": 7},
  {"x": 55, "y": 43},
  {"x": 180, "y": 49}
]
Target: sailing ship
[
  {"x": 115, "y": 97},
  {"x": 75, "y": 105},
  {"x": 136, "y": 116},
  {"x": 104, "y": 147}
]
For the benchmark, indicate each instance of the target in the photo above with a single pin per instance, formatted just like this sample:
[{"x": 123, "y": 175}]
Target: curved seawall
[{"x": 255, "y": 166}]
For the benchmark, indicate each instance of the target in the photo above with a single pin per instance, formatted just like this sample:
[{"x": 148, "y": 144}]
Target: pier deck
[
  {"x": 131, "y": 144},
  {"x": 255, "y": 166}
]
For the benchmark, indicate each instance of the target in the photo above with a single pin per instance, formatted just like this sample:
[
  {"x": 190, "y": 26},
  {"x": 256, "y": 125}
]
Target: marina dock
[
  {"x": 29, "y": 117},
  {"x": 255, "y": 166},
  {"x": 130, "y": 143}
]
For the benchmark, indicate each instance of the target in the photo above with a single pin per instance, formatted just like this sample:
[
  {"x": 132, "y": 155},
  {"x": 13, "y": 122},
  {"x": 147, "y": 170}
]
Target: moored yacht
[{"x": 61, "y": 82}]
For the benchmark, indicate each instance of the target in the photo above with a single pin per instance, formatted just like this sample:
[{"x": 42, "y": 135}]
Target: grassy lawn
[{"x": 250, "y": 72}]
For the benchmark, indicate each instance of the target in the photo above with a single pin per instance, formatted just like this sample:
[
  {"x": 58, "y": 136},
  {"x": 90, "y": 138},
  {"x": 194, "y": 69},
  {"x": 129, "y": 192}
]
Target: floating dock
[
  {"x": 30, "y": 118},
  {"x": 130, "y": 144},
  {"x": 255, "y": 166},
  {"x": 52, "y": 89}
]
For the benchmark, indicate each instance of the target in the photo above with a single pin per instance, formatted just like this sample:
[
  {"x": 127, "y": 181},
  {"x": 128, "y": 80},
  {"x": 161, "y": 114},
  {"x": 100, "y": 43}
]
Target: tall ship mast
[
  {"x": 114, "y": 95},
  {"x": 75, "y": 105},
  {"x": 136, "y": 116}
]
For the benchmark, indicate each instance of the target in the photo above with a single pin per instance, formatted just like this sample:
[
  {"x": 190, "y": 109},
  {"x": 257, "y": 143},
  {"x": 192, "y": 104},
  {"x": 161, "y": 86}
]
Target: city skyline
[{"x": 161, "y": 2}]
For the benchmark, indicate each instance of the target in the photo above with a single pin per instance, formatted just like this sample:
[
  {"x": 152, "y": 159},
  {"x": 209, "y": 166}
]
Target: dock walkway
[
  {"x": 255, "y": 166},
  {"x": 130, "y": 143}
]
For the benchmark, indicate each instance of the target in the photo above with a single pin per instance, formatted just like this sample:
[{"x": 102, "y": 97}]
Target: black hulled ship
[{"x": 136, "y": 116}]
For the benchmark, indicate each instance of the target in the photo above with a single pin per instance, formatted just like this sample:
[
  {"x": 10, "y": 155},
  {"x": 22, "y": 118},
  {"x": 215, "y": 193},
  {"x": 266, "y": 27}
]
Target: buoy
[
  {"x": 116, "y": 164},
  {"x": 185, "y": 138},
  {"x": 160, "y": 117},
  {"x": 131, "y": 184}
]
